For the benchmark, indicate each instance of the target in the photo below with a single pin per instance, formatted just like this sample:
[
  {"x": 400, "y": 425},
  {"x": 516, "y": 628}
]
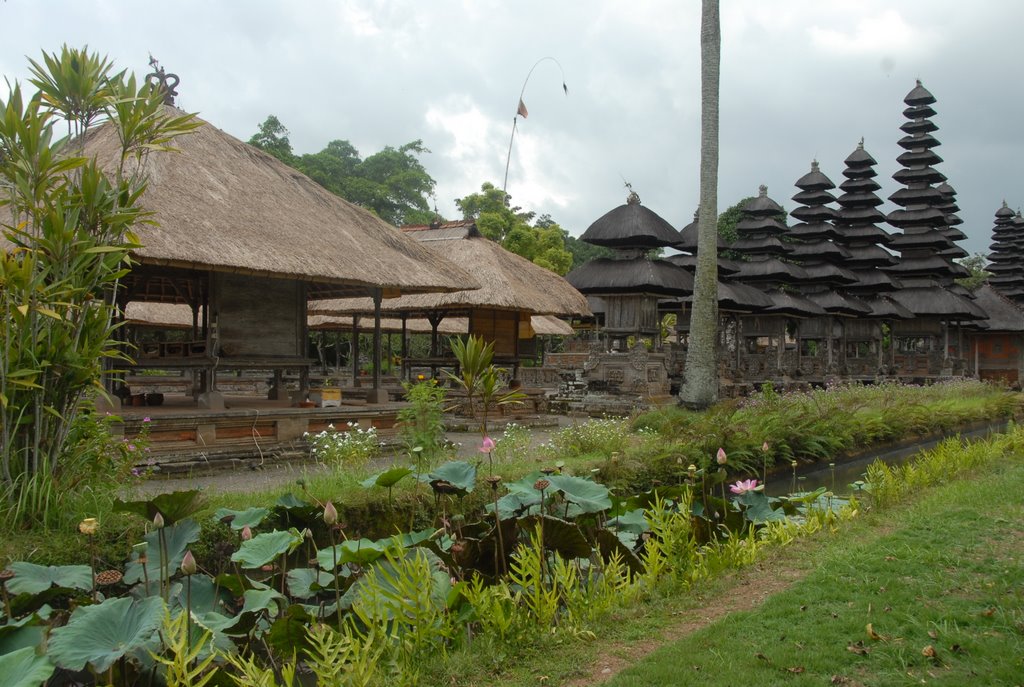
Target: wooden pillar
[
  {"x": 406, "y": 370},
  {"x": 376, "y": 338},
  {"x": 354, "y": 353}
]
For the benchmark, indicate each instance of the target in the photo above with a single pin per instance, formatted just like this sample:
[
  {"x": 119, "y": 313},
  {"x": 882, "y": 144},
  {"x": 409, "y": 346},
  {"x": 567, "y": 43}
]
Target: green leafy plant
[{"x": 421, "y": 423}]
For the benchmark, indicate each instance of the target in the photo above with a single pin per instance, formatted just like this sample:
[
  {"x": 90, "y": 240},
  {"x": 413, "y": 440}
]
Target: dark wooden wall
[{"x": 258, "y": 316}]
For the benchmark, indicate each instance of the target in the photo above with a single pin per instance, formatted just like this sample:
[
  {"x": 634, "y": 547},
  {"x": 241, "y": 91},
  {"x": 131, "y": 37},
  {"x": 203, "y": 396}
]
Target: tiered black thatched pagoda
[
  {"x": 631, "y": 283},
  {"x": 822, "y": 349},
  {"x": 1007, "y": 256},
  {"x": 925, "y": 268}
]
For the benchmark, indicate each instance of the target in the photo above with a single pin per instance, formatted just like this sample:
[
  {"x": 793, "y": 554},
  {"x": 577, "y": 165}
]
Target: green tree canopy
[
  {"x": 979, "y": 275},
  {"x": 272, "y": 138},
  {"x": 542, "y": 242},
  {"x": 392, "y": 183}
]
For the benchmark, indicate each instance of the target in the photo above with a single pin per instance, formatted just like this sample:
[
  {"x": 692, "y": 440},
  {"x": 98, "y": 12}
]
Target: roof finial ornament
[
  {"x": 814, "y": 165},
  {"x": 1004, "y": 203},
  {"x": 762, "y": 191},
  {"x": 162, "y": 80},
  {"x": 633, "y": 198},
  {"x": 860, "y": 146}
]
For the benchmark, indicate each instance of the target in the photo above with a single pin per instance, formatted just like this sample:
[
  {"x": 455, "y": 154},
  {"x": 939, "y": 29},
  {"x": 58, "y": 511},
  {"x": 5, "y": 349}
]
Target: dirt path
[{"x": 746, "y": 590}]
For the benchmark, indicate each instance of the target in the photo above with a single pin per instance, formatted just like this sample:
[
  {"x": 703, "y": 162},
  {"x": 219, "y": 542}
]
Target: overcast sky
[{"x": 801, "y": 79}]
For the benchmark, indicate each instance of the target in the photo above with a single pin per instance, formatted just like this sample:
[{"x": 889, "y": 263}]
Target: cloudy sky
[{"x": 801, "y": 79}]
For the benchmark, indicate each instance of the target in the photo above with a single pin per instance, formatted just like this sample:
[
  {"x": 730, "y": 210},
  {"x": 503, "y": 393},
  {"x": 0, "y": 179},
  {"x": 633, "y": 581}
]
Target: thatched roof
[
  {"x": 638, "y": 275},
  {"x": 937, "y": 302},
  {"x": 507, "y": 281},
  {"x": 158, "y": 315},
  {"x": 178, "y": 316},
  {"x": 631, "y": 226},
  {"x": 544, "y": 325},
  {"x": 223, "y": 205},
  {"x": 1003, "y": 314}
]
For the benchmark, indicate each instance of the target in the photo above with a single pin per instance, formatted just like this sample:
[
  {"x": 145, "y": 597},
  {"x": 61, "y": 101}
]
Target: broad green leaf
[
  {"x": 239, "y": 519},
  {"x": 306, "y": 582},
  {"x": 178, "y": 536},
  {"x": 586, "y": 495},
  {"x": 288, "y": 634},
  {"x": 30, "y": 578},
  {"x": 632, "y": 521},
  {"x": 266, "y": 548},
  {"x": 386, "y": 479},
  {"x": 560, "y": 535},
  {"x": 610, "y": 544},
  {"x": 458, "y": 473},
  {"x": 173, "y": 506},
  {"x": 207, "y": 596},
  {"x": 100, "y": 635},
  {"x": 757, "y": 507},
  {"x": 361, "y": 551},
  {"x": 23, "y": 668}
]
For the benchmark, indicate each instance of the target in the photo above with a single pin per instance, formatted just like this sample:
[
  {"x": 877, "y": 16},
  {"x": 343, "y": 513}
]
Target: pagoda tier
[
  {"x": 926, "y": 244},
  {"x": 857, "y": 232},
  {"x": 1007, "y": 257}
]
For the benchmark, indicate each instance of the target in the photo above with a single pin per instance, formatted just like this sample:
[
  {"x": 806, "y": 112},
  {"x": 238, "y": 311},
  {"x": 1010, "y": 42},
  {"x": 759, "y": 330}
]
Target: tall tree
[
  {"x": 272, "y": 138},
  {"x": 701, "y": 387},
  {"x": 543, "y": 243}
]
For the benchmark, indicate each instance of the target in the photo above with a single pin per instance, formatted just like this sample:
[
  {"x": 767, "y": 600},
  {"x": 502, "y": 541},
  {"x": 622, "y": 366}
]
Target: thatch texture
[
  {"x": 223, "y": 205},
  {"x": 1003, "y": 314},
  {"x": 158, "y": 315},
  {"x": 507, "y": 281},
  {"x": 543, "y": 325},
  {"x": 631, "y": 226},
  {"x": 638, "y": 275}
]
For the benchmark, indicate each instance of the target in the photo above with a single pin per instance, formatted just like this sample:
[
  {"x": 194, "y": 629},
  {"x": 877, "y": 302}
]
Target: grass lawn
[{"x": 932, "y": 593}]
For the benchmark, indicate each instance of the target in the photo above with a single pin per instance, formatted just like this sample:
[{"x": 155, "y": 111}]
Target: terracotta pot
[{"x": 138, "y": 399}]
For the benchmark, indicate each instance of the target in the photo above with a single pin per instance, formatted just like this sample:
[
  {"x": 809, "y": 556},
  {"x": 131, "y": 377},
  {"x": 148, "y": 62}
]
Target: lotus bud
[
  {"x": 89, "y": 526},
  {"x": 764, "y": 447},
  {"x": 306, "y": 533},
  {"x": 330, "y": 514},
  {"x": 158, "y": 520},
  {"x": 188, "y": 564},
  {"x": 246, "y": 533},
  {"x": 720, "y": 457}
]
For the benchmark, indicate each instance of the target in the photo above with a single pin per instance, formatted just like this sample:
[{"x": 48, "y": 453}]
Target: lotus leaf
[
  {"x": 361, "y": 551},
  {"x": 634, "y": 521},
  {"x": 30, "y": 578},
  {"x": 610, "y": 544},
  {"x": 560, "y": 535},
  {"x": 207, "y": 596},
  {"x": 23, "y": 668},
  {"x": 290, "y": 500},
  {"x": 306, "y": 582},
  {"x": 516, "y": 504},
  {"x": 588, "y": 496},
  {"x": 173, "y": 506},
  {"x": 458, "y": 473},
  {"x": 288, "y": 634},
  {"x": 387, "y": 479},
  {"x": 757, "y": 507},
  {"x": 101, "y": 634},
  {"x": 266, "y": 548},
  {"x": 178, "y": 537},
  {"x": 239, "y": 519}
]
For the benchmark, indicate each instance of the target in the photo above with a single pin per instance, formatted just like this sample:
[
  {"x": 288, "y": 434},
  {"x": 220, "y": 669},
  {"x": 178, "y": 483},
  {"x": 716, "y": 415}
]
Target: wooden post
[
  {"x": 406, "y": 370},
  {"x": 354, "y": 352}
]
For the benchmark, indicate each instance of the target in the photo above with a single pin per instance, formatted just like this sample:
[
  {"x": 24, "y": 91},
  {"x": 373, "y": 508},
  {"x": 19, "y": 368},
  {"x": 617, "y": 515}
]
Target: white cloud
[{"x": 886, "y": 33}]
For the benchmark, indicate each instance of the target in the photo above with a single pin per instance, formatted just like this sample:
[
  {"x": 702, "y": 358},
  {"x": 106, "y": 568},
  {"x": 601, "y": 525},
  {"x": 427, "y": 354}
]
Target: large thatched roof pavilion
[
  {"x": 512, "y": 290},
  {"x": 247, "y": 241}
]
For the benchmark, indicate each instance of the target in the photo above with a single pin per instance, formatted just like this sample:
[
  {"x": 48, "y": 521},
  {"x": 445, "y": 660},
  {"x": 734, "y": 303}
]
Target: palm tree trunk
[{"x": 701, "y": 387}]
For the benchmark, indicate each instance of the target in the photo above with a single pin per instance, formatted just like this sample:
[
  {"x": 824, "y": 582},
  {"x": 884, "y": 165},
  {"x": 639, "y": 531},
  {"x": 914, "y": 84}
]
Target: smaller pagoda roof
[
  {"x": 631, "y": 226},
  {"x": 609, "y": 276}
]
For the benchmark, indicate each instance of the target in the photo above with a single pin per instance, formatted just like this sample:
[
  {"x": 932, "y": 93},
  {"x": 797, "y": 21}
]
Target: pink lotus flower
[
  {"x": 721, "y": 457},
  {"x": 764, "y": 447},
  {"x": 146, "y": 419},
  {"x": 246, "y": 533},
  {"x": 487, "y": 445},
  {"x": 743, "y": 486}
]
